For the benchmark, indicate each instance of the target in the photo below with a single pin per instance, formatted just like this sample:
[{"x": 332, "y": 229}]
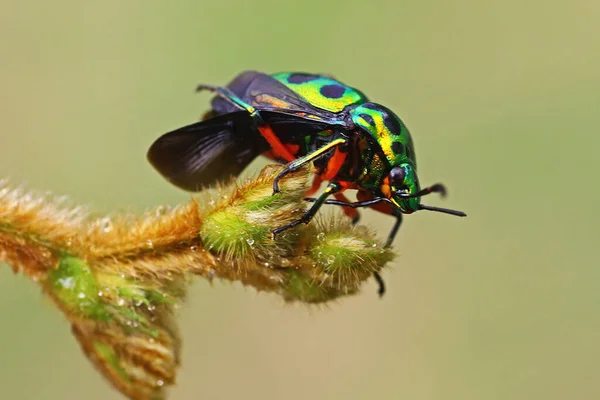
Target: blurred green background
[{"x": 502, "y": 99}]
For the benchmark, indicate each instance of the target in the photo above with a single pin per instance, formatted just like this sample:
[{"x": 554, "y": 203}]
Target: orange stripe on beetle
[
  {"x": 334, "y": 164},
  {"x": 316, "y": 185},
  {"x": 278, "y": 148}
]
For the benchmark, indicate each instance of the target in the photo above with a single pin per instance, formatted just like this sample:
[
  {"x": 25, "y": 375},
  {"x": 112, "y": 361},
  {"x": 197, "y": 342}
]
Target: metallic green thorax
[
  {"x": 397, "y": 150},
  {"x": 388, "y": 130},
  {"x": 321, "y": 91}
]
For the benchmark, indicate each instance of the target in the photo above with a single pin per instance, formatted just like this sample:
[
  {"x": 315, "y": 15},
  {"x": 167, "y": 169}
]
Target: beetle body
[
  {"x": 299, "y": 118},
  {"x": 329, "y": 109}
]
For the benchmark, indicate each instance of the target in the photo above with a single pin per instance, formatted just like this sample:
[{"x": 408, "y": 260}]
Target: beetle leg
[
  {"x": 264, "y": 129},
  {"x": 356, "y": 204},
  {"x": 381, "y": 204},
  {"x": 380, "y": 283},
  {"x": 350, "y": 212},
  {"x": 316, "y": 185},
  {"x": 395, "y": 229},
  {"x": 388, "y": 243},
  {"x": 332, "y": 188},
  {"x": 373, "y": 203},
  {"x": 300, "y": 162}
]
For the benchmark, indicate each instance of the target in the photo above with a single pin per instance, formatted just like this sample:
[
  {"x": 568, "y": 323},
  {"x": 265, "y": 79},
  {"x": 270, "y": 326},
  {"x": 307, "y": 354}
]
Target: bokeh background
[{"x": 502, "y": 99}]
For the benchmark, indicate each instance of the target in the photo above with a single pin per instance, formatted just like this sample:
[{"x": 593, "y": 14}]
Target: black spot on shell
[
  {"x": 392, "y": 123},
  {"x": 398, "y": 148},
  {"x": 333, "y": 91},
  {"x": 299, "y": 78},
  {"x": 368, "y": 118},
  {"x": 372, "y": 106}
]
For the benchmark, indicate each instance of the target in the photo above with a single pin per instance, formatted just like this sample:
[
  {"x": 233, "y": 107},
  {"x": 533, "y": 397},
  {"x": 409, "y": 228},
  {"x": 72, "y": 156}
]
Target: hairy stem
[{"x": 118, "y": 278}]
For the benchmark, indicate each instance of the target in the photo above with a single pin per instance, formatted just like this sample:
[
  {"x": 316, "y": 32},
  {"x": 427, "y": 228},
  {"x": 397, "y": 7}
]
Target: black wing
[
  {"x": 267, "y": 93},
  {"x": 292, "y": 128},
  {"x": 207, "y": 152}
]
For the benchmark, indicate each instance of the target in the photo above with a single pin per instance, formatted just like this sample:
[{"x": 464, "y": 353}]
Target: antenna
[{"x": 443, "y": 210}]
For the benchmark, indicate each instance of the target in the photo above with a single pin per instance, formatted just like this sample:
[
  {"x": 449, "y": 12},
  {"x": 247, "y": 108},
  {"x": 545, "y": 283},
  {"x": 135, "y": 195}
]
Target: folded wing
[{"x": 201, "y": 154}]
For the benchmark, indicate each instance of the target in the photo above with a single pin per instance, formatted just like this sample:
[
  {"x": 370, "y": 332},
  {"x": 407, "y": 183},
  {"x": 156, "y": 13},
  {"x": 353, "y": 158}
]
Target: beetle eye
[{"x": 397, "y": 176}]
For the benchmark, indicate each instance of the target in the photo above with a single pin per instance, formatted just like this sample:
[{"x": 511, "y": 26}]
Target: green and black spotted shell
[
  {"x": 388, "y": 130},
  {"x": 321, "y": 91}
]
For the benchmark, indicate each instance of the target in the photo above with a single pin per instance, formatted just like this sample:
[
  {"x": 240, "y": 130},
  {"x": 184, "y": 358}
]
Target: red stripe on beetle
[
  {"x": 279, "y": 150},
  {"x": 334, "y": 164}
]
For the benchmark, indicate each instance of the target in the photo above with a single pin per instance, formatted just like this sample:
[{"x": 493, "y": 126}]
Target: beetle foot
[
  {"x": 277, "y": 231},
  {"x": 276, "y": 189},
  {"x": 380, "y": 283}
]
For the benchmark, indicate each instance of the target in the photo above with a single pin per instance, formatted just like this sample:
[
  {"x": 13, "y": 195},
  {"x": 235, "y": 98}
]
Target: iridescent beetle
[{"x": 298, "y": 118}]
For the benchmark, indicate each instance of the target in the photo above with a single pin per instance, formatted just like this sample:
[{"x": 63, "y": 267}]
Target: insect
[{"x": 299, "y": 118}]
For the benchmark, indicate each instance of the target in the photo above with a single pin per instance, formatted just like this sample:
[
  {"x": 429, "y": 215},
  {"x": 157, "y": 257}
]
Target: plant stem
[{"x": 118, "y": 278}]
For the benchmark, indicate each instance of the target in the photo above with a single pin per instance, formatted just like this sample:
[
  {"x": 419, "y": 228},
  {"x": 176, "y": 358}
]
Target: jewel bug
[{"x": 299, "y": 118}]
